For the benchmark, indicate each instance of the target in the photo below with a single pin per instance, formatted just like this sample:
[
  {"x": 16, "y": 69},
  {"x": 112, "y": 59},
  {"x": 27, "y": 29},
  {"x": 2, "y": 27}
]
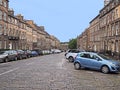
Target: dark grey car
[
  {"x": 21, "y": 54},
  {"x": 8, "y": 55}
]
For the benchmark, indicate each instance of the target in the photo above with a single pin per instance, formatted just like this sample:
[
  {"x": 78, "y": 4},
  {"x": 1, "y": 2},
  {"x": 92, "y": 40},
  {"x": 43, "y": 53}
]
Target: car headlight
[{"x": 112, "y": 64}]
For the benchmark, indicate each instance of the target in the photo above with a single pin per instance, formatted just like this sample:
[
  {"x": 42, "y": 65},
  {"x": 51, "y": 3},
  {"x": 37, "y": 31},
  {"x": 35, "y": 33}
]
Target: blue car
[
  {"x": 96, "y": 61},
  {"x": 34, "y": 53}
]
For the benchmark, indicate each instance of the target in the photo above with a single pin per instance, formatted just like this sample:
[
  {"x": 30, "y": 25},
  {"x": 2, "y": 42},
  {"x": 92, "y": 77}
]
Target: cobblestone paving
[{"x": 53, "y": 72}]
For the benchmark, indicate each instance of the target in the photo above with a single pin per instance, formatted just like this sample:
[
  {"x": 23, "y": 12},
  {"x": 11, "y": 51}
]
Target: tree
[{"x": 72, "y": 44}]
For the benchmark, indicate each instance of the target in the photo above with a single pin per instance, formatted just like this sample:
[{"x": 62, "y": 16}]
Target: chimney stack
[{"x": 106, "y": 2}]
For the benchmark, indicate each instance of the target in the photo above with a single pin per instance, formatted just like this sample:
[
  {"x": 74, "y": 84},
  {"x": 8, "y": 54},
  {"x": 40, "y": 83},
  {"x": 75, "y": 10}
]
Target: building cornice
[{"x": 95, "y": 18}]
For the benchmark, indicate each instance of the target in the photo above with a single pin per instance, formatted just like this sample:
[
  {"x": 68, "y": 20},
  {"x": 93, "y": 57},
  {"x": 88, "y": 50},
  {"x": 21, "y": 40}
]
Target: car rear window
[{"x": 1, "y": 52}]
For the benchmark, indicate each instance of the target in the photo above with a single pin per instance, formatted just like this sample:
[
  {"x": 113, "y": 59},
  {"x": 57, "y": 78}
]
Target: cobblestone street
[{"x": 53, "y": 72}]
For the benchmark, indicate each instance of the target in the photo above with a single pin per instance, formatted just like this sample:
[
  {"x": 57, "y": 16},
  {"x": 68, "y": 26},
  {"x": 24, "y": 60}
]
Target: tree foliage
[{"x": 72, "y": 44}]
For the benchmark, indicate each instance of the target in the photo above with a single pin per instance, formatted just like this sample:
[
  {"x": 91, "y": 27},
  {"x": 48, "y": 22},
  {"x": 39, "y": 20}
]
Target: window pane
[
  {"x": 5, "y": 44},
  {"x": 0, "y": 44},
  {"x": 1, "y": 2},
  {"x": 5, "y": 4},
  {"x": 0, "y": 14},
  {"x": 5, "y": 16},
  {"x": 0, "y": 29},
  {"x": 5, "y": 30}
]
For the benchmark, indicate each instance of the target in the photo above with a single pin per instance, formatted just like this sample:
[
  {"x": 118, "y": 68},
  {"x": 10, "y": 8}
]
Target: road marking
[{"x": 9, "y": 71}]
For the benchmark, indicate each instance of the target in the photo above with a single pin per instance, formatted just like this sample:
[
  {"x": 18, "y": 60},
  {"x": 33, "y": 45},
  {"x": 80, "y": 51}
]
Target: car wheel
[
  {"x": 28, "y": 56},
  {"x": 71, "y": 59},
  {"x": 6, "y": 60},
  {"x": 20, "y": 58},
  {"x": 77, "y": 66},
  {"x": 105, "y": 69},
  {"x": 16, "y": 58}
]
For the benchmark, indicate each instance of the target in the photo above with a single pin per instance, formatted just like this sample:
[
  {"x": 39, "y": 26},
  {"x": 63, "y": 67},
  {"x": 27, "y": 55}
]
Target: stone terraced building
[
  {"x": 103, "y": 34},
  {"x": 18, "y": 33}
]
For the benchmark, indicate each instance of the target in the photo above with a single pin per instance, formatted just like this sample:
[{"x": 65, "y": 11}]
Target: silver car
[{"x": 8, "y": 55}]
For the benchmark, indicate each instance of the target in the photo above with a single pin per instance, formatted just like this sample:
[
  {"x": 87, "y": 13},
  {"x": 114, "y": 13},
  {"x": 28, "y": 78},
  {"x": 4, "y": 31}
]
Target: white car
[
  {"x": 71, "y": 54},
  {"x": 55, "y": 51}
]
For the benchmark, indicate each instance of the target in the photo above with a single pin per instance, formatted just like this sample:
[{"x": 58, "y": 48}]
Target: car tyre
[
  {"x": 28, "y": 56},
  {"x": 6, "y": 60},
  {"x": 20, "y": 57},
  {"x": 71, "y": 59},
  {"x": 16, "y": 58},
  {"x": 77, "y": 66},
  {"x": 105, "y": 69}
]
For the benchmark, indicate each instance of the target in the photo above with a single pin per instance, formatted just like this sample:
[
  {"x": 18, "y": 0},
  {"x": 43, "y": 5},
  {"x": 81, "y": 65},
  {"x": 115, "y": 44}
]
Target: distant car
[
  {"x": 96, "y": 61},
  {"x": 8, "y": 55},
  {"x": 71, "y": 54},
  {"x": 34, "y": 53},
  {"x": 55, "y": 51},
  {"x": 28, "y": 53},
  {"x": 46, "y": 52},
  {"x": 21, "y": 54},
  {"x": 38, "y": 51}
]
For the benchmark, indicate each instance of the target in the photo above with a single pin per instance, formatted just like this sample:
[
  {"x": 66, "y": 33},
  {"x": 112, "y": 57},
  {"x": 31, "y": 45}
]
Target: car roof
[{"x": 88, "y": 53}]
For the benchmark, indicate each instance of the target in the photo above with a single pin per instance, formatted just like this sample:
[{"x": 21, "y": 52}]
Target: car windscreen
[{"x": 104, "y": 57}]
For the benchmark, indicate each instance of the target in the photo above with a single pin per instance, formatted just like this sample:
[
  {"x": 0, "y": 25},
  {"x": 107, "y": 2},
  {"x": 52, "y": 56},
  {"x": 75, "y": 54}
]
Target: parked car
[
  {"x": 8, "y": 55},
  {"x": 38, "y": 51},
  {"x": 28, "y": 53},
  {"x": 21, "y": 54},
  {"x": 46, "y": 52},
  {"x": 3, "y": 56},
  {"x": 71, "y": 54},
  {"x": 55, "y": 51},
  {"x": 34, "y": 53},
  {"x": 96, "y": 61}
]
